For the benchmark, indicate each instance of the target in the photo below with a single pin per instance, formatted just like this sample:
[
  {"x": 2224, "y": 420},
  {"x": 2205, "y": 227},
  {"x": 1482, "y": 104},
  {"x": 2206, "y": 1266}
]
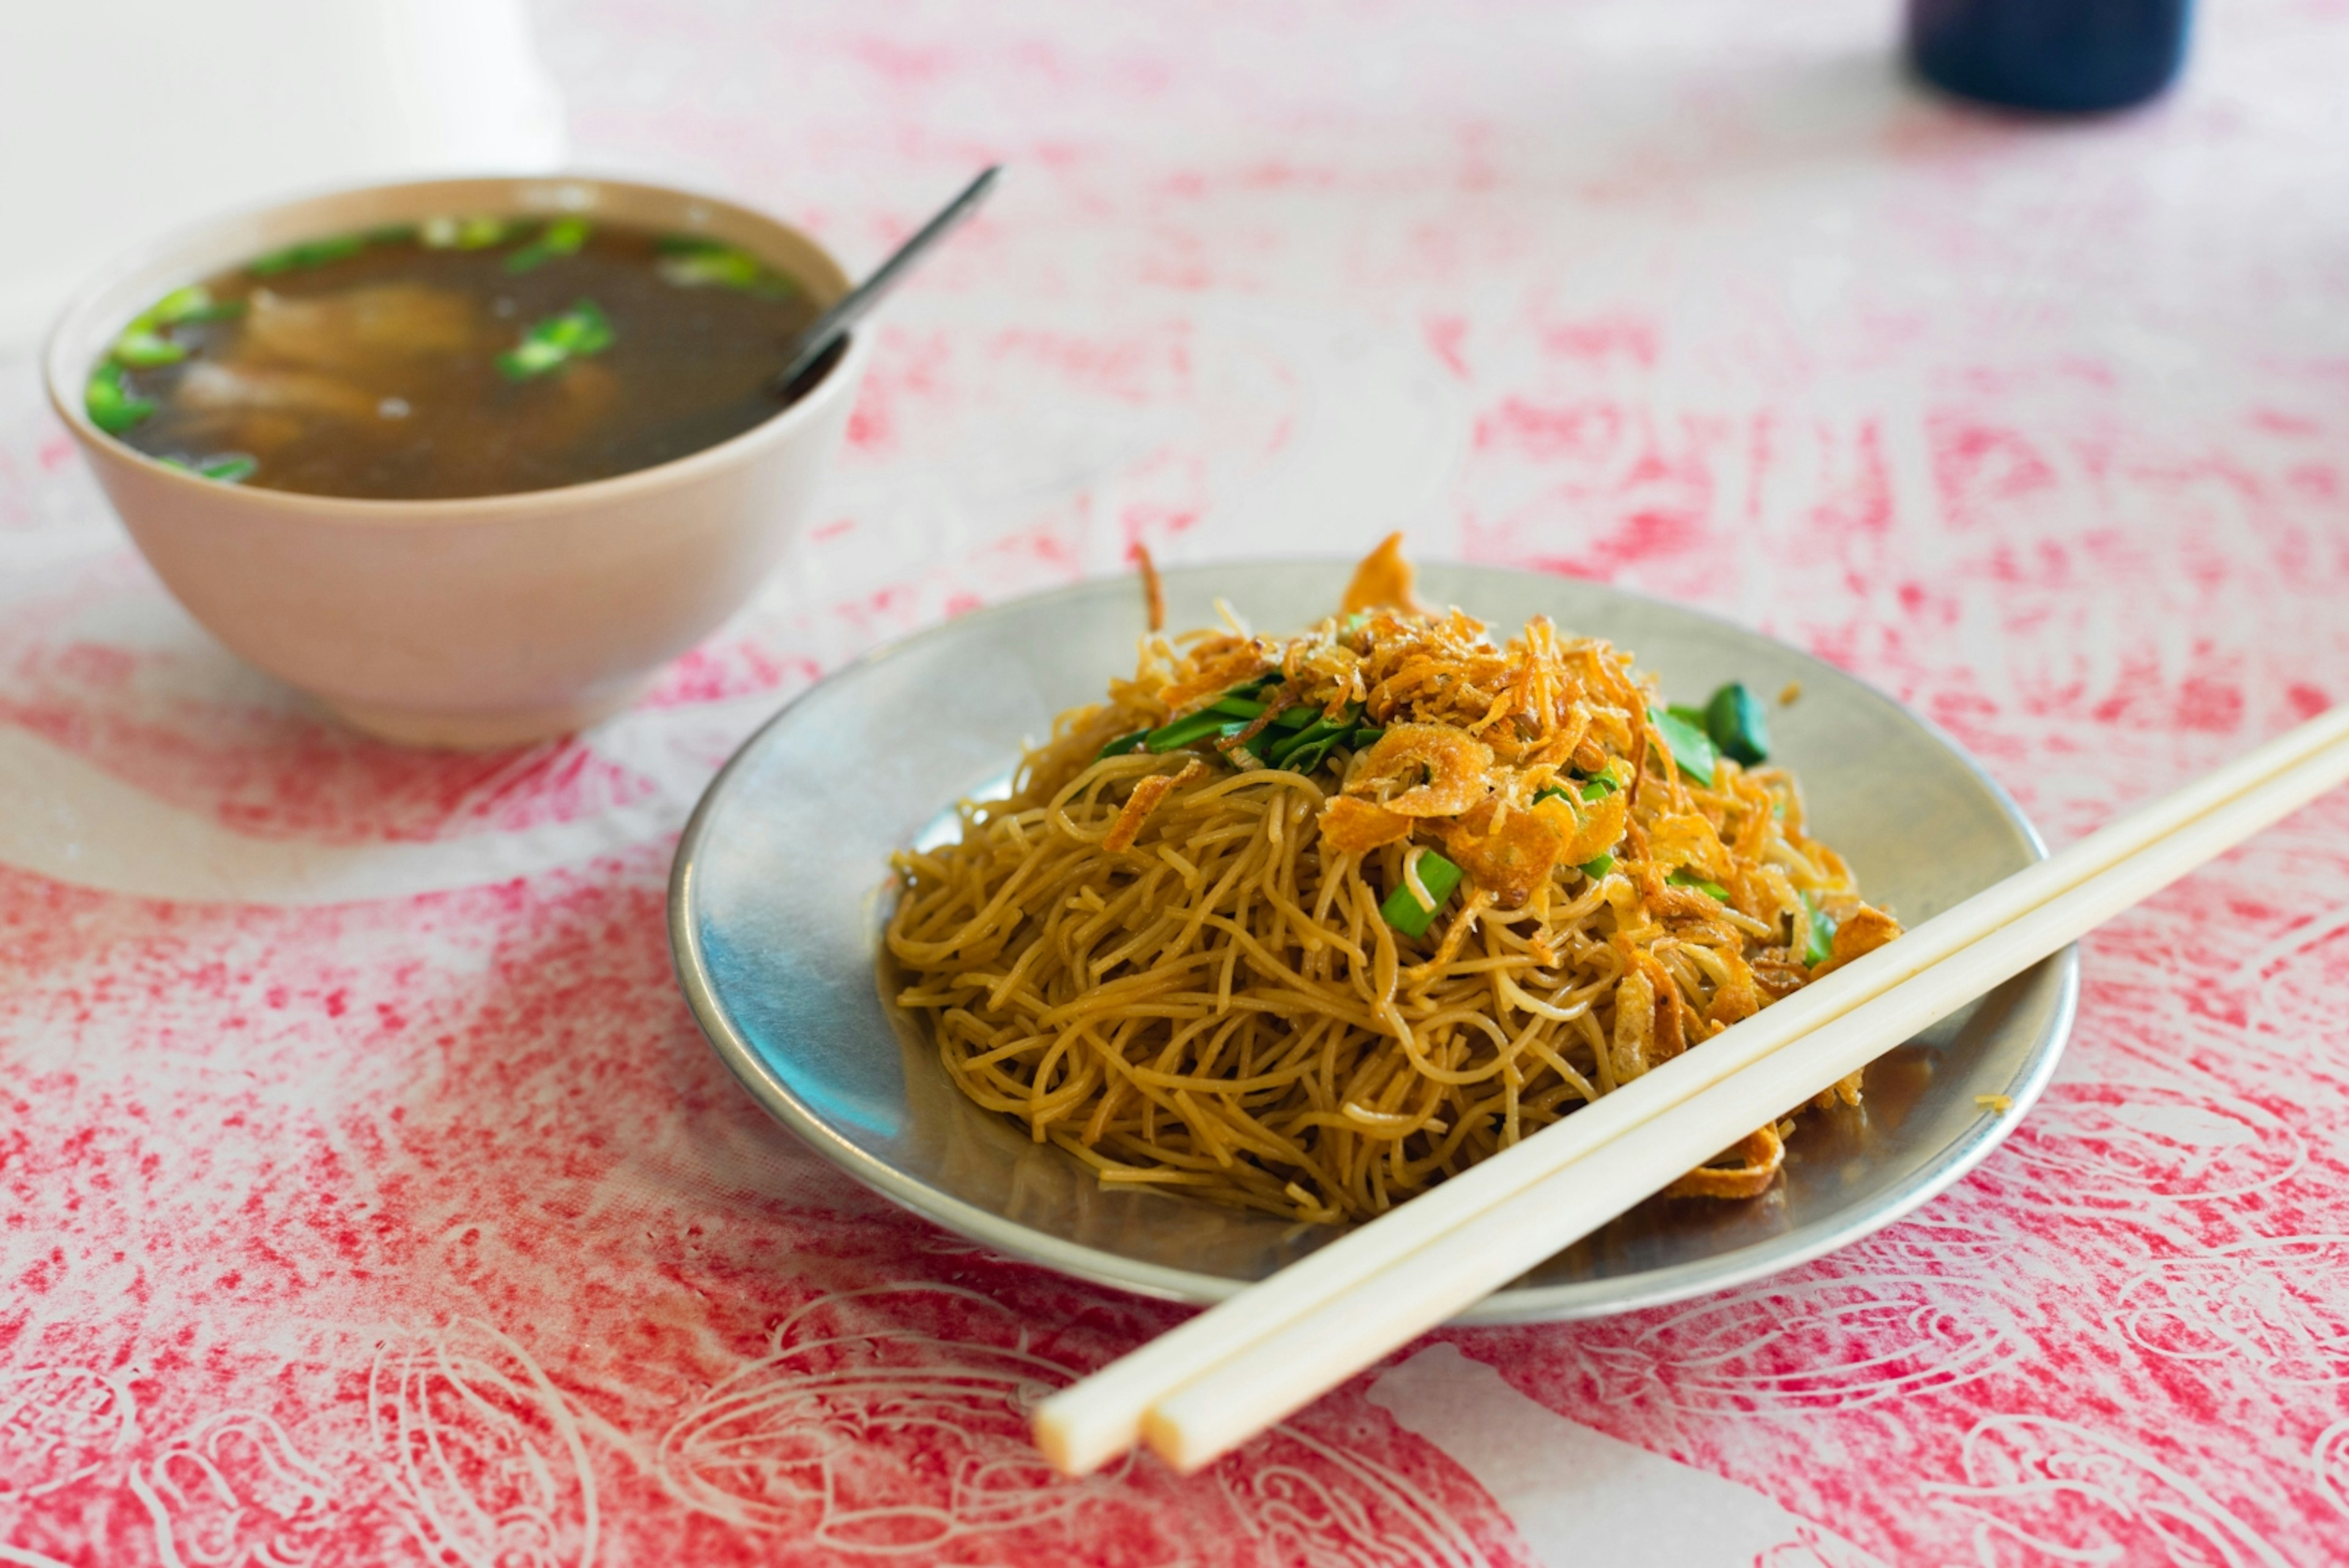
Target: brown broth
[{"x": 376, "y": 374}]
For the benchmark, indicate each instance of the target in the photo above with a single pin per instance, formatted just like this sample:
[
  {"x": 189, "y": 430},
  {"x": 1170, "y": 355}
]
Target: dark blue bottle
[{"x": 2068, "y": 55}]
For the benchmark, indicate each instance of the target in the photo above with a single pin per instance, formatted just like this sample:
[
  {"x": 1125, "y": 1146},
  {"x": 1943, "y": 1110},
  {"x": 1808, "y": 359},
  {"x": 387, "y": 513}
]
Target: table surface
[{"x": 370, "y": 1198}]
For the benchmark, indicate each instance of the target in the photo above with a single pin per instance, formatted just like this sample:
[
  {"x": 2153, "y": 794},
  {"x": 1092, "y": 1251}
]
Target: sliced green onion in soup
[
  {"x": 142, "y": 348},
  {"x": 477, "y": 232},
  {"x": 142, "y": 344},
  {"x": 582, "y": 330},
  {"x": 690, "y": 263},
  {"x": 228, "y": 468},
  {"x": 110, "y": 403},
  {"x": 308, "y": 254},
  {"x": 192, "y": 303},
  {"x": 561, "y": 237}
]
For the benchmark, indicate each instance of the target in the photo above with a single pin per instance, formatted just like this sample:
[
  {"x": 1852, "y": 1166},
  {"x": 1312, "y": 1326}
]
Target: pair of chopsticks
[{"x": 1198, "y": 1392}]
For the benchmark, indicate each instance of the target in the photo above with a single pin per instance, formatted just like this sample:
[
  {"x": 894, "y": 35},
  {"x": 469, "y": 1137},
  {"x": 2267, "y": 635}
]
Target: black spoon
[{"x": 820, "y": 346}]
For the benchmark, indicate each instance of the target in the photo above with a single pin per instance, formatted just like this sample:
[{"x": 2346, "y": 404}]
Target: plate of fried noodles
[{"x": 1157, "y": 931}]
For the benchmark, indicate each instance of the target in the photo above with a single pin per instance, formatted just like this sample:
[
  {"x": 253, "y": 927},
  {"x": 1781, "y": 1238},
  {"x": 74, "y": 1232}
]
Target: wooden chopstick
[
  {"x": 1243, "y": 1394},
  {"x": 1090, "y": 1422}
]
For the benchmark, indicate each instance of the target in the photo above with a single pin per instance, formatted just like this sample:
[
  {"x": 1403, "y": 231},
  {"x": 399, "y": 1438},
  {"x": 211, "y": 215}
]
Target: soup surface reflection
[{"x": 459, "y": 357}]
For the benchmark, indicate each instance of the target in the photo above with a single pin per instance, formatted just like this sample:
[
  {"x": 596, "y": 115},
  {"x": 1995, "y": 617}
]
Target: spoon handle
[{"x": 852, "y": 306}]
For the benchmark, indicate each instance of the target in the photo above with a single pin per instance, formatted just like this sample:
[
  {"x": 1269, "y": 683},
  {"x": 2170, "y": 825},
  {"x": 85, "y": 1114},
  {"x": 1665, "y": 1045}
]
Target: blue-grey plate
[{"x": 781, "y": 885}]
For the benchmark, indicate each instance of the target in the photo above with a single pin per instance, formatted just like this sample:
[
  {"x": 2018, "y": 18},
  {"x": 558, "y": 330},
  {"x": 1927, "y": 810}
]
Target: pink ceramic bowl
[{"x": 478, "y": 622}]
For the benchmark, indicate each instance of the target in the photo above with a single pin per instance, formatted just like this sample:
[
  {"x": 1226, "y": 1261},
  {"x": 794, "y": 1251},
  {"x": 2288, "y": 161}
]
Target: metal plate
[{"x": 781, "y": 885}]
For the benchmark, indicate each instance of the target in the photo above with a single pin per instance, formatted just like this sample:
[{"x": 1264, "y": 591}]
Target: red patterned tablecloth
[{"x": 367, "y": 1195}]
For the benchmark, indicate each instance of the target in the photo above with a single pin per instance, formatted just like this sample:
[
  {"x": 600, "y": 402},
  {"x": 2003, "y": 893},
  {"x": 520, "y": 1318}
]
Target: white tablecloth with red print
[{"x": 367, "y": 1195}]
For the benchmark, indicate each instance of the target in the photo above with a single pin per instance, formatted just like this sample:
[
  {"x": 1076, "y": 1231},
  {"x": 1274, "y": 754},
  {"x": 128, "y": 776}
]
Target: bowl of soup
[{"x": 468, "y": 461}]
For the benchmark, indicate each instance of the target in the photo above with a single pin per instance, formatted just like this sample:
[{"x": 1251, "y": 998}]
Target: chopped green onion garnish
[
  {"x": 561, "y": 237},
  {"x": 1734, "y": 721},
  {"x": 1302, "y": 739},
  {"x": 1186, "y": 731},
  {"x": 1684, "y": 731},
  {"x": 1365, "y": 737},
  {"x": 1598, "y": 865},
  {"x": 1214, "y": 719},
  {"x": 579, "y": 331},
  {"x": 1298, "y": 737},
  {"x": 1819, "y": 946},
  {"x": 1687, "y": 879},
  {"x": 108, "y": 399},
  {"x": 1305, "y": 750},
  {"x": 1304, "y": 759},
  {"x": 1402, "y": 912},
  {"x": 309, "y": 252},
  {"x": 1597, "y": 787},
  {"x": 1123, "y": 745}
]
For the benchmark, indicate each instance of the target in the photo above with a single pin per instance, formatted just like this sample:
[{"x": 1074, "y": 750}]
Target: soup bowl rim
[{"x": 64, "y": 378}]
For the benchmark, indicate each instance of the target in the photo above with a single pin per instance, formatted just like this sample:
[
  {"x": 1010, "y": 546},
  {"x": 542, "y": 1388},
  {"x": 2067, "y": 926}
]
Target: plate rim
[{"x": 1513, "y": 1305}]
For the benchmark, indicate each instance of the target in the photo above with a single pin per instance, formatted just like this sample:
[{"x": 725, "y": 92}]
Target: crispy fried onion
[
  {"x": 1356, "y": 826},
  {"x": 1862, "y": 932},
  {"x": 1143, "y": 802},
  {"x": 1757, "y": 1158},
  {"x": 1424, "y": 770},
  {"x": 1383, "y": 581},
  {"x": 1599, "y": 828},
  {"x": 1153, "y": 592},
  {"x": 1510, "y": 852}
]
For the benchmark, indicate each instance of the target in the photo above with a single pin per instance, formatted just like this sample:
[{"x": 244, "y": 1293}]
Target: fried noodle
[{"x": 1175, "y": 965}]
